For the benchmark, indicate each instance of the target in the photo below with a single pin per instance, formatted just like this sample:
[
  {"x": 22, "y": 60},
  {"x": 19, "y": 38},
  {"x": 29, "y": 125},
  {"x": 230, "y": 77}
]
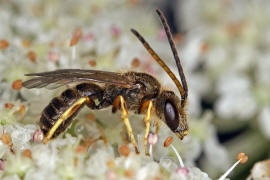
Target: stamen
[
  {"x": 168, "y": 142},
  {"x": 242, "y": 158},
  {"x": 6, "y": 139},
  {"x": 32, "y": 56},
  {"x": 92, "y": 63},
  {"x": 38, "y": 136},
  {"x": 152, "y": 140},
  {"x": 124, "y": 150},
  {"x": 21, "y": 110},
  {"x": 135, "y": 63},
  {"x": 3, "y": 44},
  {"x": 77, "y": 34},
  {"x": 178, "y": 156},
  {"x": 151, "y": 151},
  {"x": 27, "y": 153},
  {"x": 17, "y": 84},
  {"x": 9, "y": 105},
  {"x": 161, "y": 34},
  {"x": 115, "y": 31},
  {"x": 53, "y": 56},
  {"x": 25, "y": 43},
  {"x": 74, "y": 40},
  {"x": 73, "y": 53},
  {"x": 2, "y": 163},
  {"x": 110, "y": 164},
  {"x": 81, "y": 149},
  {"x": 111, "y": 175},
  {"x": 182, "y": 171}
]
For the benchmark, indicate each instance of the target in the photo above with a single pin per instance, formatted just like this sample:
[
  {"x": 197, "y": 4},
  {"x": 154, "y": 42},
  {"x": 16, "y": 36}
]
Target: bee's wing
[{"x": 55, "y": 79}]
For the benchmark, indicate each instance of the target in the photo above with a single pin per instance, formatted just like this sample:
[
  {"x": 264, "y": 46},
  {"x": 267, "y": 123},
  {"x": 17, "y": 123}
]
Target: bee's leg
[
  {"x": 157, "y": 125},
  {"x": 119, "y": 101},
  {"x": 147, "y": 121},
  {"x": 125, "y": 135},
  {"x": 99, "y": 126}
]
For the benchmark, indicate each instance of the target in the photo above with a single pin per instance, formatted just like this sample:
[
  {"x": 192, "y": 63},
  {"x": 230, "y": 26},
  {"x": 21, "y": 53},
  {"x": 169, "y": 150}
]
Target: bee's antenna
[
  {"x": 159, "y": 61},
  {"x": 182, "y": 89},
  {"x": 175, "y": 54}
]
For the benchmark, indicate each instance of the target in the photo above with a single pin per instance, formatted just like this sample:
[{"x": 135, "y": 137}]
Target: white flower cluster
[
  {"x": 231, "y": 40},
  {"x": 36, "y": 36}
]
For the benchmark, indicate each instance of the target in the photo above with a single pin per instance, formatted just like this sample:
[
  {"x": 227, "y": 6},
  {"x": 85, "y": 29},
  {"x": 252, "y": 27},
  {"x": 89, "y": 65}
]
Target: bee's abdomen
[
  {"x": 56, "y": 108},
  {"x": 63, "y": 103}
]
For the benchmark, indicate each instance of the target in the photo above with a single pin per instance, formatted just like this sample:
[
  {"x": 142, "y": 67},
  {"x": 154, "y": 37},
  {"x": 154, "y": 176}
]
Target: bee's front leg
[{"x": 147, "y": 120}]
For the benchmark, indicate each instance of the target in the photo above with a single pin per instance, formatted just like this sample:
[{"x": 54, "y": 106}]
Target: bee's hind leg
[{"x": 120, "y": 102}]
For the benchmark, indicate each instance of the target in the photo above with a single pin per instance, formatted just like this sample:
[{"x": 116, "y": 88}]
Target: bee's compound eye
[{"x": 171, "y": 115}]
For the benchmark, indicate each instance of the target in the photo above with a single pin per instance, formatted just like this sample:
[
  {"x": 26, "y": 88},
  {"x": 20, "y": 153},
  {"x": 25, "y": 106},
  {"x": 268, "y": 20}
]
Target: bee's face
[{"x": 171, "y": 111}]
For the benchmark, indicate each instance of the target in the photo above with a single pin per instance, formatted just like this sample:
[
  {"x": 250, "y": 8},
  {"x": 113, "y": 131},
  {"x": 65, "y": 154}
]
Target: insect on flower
[{"x": 130, "y": 91}]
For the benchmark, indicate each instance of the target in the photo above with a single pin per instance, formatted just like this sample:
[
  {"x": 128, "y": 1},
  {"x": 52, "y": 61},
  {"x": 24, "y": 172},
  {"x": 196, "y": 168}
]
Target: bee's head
[{"x": 169, "y": 109}]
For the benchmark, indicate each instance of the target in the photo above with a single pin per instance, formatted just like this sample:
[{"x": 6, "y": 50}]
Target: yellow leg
[
  {"x": 147, "y": 121},
  {"x": 125, "y": 135},
  {"x": 120, "y": 101},
  {"x": 157, "y": 125}
]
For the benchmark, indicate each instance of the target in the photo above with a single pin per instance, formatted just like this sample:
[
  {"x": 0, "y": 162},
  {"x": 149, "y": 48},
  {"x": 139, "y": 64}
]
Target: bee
[{"x": 131, "y": 91}]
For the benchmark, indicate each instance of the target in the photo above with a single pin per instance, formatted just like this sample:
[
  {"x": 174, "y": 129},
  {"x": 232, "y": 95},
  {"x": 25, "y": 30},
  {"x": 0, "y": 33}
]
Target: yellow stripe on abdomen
[{"x": 64, "y": 117}]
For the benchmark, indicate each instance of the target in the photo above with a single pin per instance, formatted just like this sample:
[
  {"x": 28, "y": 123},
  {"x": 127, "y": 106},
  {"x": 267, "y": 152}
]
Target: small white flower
[
  {"x": 213, "y": 151},
  {"x": 12, "y": 177},
  {"x": 96, "y": 164},
  {"x": 17, "y": 164},
  {"x": 21, "y": 136},
  {"x": 235, "y": 96},
  {"x": 41, "y": 174},
  {"x": 260, "y": 171},
  {"x": 44, "y": 157},
  {"x": 189, "y": 174},
  {"x": 264, "y": 121},
  {"x": 148, "y": 171}
]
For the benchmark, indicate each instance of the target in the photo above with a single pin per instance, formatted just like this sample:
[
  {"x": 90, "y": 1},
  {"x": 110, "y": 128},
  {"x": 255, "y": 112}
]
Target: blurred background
[
  {"x": 224, "y": 46},
  {"x": 225, "y": 49}
]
